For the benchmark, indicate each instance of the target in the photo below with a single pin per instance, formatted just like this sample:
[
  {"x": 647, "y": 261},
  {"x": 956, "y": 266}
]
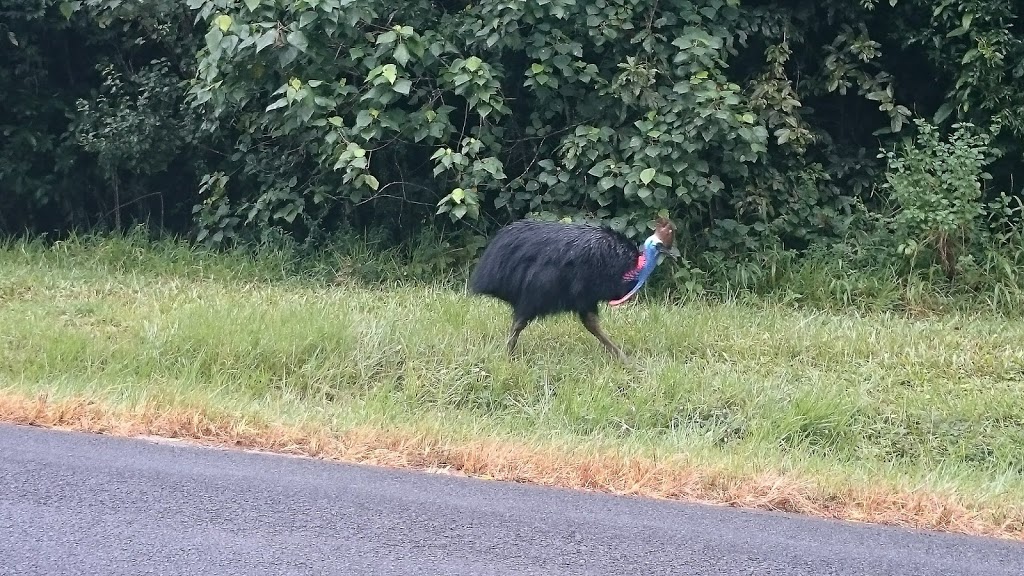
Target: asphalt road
[{"x": 81, "y": 504}]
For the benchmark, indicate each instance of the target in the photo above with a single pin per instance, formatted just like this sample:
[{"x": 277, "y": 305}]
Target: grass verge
[{"x": 863, "y": 416}]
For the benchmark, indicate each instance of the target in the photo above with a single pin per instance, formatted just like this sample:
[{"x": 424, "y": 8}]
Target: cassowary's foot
[
  {"x": 589, "y": 320},
  {"x": 513, "y": 334}
]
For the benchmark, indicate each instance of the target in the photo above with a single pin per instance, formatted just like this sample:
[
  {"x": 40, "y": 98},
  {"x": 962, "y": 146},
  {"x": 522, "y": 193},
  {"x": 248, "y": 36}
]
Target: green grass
[{"x": 844, "y": 398}]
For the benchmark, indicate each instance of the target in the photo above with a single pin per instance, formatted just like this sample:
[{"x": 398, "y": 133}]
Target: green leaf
[
  {"x": 298, "y": 39},
  {"x": 942, "y": 113},
  {"x": 67, "y": 10},
  {"x": 252, "y": 5},
  {"x": 280, "y": 103},
  {"x": 663, "y": 179},
  {"x": 266, "y": 39},
  {"x": 390, "y": 72},
  {"x": 402, "y": 86},
  {"x": 223, "y": 22},
  {"x": 402, "y": 55},
  {"x": 372, "y": 182},
  {"x": 306, "y": 18},
  {"x": 458, "y": 195},
  {"x": 647, "y": 175}
]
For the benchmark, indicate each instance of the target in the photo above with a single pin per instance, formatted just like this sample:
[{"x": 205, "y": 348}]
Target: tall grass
[{"x": 933, "y": 402}]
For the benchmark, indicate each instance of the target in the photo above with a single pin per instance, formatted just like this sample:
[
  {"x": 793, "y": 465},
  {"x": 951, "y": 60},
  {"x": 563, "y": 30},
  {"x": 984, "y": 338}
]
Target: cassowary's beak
[{"x": 668, "y": 252}]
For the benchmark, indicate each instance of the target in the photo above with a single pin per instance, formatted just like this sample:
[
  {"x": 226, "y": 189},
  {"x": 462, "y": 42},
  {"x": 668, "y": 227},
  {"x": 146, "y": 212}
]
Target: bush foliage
[{"x": 881, "y": 133}]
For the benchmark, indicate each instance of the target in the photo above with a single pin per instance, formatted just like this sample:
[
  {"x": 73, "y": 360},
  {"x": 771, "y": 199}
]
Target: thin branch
[
  {"x": 130, "y": 202},
  {"x": 378, "y": 195}
]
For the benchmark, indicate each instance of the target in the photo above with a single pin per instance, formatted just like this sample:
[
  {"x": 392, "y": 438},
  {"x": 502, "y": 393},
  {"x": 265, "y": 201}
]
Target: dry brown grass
[{"x": 552, "y": 466}]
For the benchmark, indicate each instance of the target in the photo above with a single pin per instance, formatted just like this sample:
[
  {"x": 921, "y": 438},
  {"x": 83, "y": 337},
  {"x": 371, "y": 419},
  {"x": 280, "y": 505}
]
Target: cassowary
[{"x": 546, "y": 268}]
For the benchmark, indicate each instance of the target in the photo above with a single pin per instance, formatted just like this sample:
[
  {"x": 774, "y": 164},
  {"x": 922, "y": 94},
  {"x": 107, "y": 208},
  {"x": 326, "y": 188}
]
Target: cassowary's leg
[
  {"x": 589, "y": 320},
  {"x": 513, "y": 334}
]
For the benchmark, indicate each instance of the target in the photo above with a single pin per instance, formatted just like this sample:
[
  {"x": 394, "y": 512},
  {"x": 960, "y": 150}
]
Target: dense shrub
[{"x": 757, "y": 125}]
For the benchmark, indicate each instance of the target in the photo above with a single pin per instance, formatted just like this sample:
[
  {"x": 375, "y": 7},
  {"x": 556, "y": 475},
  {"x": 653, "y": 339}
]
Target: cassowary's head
[{"x": 664, "y": 234}]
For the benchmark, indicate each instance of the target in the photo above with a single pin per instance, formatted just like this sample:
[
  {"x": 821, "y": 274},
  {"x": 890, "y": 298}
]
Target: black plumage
[{"x": 546, "y": 268}]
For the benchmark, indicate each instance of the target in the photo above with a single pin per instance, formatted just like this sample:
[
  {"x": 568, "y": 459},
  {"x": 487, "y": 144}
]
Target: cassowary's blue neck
[{"x": 647, "y": 262}]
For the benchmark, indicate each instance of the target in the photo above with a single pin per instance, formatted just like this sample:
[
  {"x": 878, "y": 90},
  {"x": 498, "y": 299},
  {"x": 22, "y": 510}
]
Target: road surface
[{"x": 79, "y": 504}]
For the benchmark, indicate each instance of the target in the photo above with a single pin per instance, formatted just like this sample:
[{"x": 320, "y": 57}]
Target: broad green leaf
[
  {"x": 67, "y": 9},
  {"x": 252, "y": 5},
  {"x": 266, "y": 39},
  {"x": 306, "y": 18},
  {"x": 287, "y": 56},
  {"x": 458, "y": 195},
  {"x": 223, "y": 22},
  {"x": 647, "y": 175},
  {"x": 402, "y": 86},
  {"x": 389, "y": 72},
  {"x": 372, "y": 182},
  {"x": 942, "y": 113},
  {"x": 298, "y": 39},
  {"x": 402, "y": 55}
]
